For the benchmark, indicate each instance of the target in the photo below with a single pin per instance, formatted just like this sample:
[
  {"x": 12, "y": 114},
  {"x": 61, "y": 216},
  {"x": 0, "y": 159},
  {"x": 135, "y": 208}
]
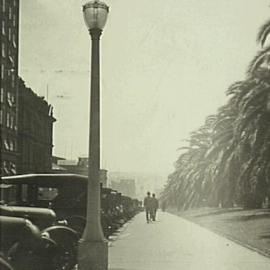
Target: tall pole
[
  {"x": 93, "y": 249},
  {"x": 93, "y": 230}
]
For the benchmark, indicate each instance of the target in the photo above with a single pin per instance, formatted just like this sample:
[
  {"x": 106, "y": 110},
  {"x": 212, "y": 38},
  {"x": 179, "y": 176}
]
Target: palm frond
[
  {"x": 263, "y": 33},
  {"x": 234, "y": 88},
  {"x": 261, "y": 60}
]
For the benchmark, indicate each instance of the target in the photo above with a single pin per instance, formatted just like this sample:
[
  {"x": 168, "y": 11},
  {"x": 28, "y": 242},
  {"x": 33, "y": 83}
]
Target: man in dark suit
[
  {"x": 148, "y": 206},
  {"x": 154, "y": 207}
]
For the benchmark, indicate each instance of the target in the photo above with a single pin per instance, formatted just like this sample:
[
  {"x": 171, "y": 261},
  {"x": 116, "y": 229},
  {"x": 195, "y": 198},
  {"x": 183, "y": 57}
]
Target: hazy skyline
[{"x": 165, "y": 66}]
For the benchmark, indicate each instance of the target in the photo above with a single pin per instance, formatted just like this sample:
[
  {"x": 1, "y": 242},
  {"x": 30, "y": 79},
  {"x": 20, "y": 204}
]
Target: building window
[
  {"x": 3, "y": 49},
  {"x": 5, "y": 169},
  {"x": 13, "y": 80},
  {"x": 11, "y": 60},
  {"x": 9, "y": 100},
  {"x": 3, "y": 5},
  {"x": 8, "y": 120},
  {"x": 10, "y": 13},
  {"x": 9, "y": 34},
  {"x": 11, "y": 145},
  {"x": 2, "y": 71},
  {"x": 2, "y": 95},
  {"x": 14, "y": 41},
  {"x": 6, "y": 144},
  {"x": 15, "y": 3},
  {"x": 14, "y": 20},
  {"x": 13, "y": 168},
  {"x": 13, "y": 99},
  {"x": 3, "y": 27},
  {"x": 12, "y": 118},
  {"x": 1, "y": 117}
]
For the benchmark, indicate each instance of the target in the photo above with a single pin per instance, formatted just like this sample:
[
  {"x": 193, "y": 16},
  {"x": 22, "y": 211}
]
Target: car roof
[{"x": 49, "y": 180}]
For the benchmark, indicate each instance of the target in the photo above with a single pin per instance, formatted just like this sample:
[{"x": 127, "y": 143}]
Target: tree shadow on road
[
  {"x": 218, "y": 212},
  {"x": 260, "y": 214},
  {"x": 265, "y": 236}
]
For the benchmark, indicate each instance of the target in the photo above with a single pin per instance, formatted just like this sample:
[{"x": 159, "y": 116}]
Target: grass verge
[{"x": 250, "y": 228}]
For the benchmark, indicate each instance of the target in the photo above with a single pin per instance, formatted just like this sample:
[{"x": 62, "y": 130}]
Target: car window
[
  {"x": 8, "y": 193},
  {"x": 24, "y": 193}
]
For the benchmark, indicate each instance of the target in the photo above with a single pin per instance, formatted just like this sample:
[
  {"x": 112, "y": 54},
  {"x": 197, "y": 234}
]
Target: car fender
[
  {"x": 67, "y": 245},
  {"x": 62, "y": 235}
]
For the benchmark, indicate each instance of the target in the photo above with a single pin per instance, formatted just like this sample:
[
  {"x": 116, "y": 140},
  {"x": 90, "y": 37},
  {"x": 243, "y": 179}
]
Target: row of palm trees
[{"x": 227, "y": 161}]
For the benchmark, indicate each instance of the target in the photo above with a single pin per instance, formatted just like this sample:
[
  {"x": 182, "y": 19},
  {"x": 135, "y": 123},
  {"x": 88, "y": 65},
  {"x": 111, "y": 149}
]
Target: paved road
[{"x": 172, "y": 243}]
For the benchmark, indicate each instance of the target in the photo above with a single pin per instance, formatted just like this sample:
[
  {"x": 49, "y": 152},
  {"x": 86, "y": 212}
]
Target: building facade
[
  {"x": 9, "y": 16},
  {"x": 79, "y": 166},
  {"x": 125, "y": 186},
  {"x": 35, "y": 132}
]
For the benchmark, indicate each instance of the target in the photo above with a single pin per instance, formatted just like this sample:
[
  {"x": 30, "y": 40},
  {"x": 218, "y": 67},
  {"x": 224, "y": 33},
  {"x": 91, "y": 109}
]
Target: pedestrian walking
[
  {"x": 147, "y": 203},
  {"x": 163, "y": 206},
  {"x": 154, "y": 207}
]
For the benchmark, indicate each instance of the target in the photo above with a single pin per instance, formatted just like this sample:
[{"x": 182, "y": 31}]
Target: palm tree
[{"x": 228, "y": 158}]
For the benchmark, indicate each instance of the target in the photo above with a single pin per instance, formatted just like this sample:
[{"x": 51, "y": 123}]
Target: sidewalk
[{"x": 172, "y": 243}]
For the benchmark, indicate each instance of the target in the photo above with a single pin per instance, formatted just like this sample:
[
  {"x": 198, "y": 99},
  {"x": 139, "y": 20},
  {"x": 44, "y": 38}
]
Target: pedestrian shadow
[{"x": 154, "y": 222}]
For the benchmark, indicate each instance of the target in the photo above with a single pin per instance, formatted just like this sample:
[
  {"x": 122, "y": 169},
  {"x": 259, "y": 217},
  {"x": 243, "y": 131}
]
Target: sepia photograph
[{"x": 135, "y": 135}]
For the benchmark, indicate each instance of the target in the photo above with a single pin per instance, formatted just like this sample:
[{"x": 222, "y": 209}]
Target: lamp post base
[{"x": 93, "y": 255}]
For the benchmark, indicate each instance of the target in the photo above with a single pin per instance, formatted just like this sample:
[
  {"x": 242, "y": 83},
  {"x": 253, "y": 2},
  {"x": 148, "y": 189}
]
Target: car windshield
[
  {"x": 7, "y": 193},
  {"x": 43, "y": 196}
]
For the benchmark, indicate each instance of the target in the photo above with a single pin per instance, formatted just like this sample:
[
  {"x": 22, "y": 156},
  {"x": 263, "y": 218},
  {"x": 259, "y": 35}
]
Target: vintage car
[
  {"x": 20, "y": 224},
  {"x": 41, "y": 217},
  {"x": 24, "y": 247},
  {"x": 66, "y": 195}
]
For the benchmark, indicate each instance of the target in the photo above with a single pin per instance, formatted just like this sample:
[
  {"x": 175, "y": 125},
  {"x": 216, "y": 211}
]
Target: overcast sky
[{"x": 165, "y": 67}]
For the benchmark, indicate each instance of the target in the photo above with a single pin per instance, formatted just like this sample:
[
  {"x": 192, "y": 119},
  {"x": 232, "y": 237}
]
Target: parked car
[
  {"x": 19, "y": 223},
  {"x": 66, "y": 195},
  {"x": 41, "y": 217},
  {"x": 25, "y": 247}
]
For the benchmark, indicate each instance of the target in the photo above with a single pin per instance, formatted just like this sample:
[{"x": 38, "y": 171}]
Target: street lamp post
[{"x": 93, "y": 248}]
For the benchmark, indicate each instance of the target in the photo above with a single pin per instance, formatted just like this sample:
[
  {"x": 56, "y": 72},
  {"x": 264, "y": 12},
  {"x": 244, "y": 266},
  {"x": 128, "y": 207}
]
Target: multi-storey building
[
  {"x": 9, "y": 17},
  {"x": 35, "y": 132}
]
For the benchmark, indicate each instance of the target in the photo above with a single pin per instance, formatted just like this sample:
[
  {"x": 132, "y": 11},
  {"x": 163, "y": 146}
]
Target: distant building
[
  {"x": 71, "y": 166},
  {"x": 83, "y": 162},
  {"x": 125, "y": 186},
  {"x": 56, "y": 159},
  {"x": 55, "y": 167},
  {"x": 9, "y": 17},
  {"x": 35, "y": 132},
  {"x": 80, "y": 166},
  {"x": 103, "y": 177}
]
